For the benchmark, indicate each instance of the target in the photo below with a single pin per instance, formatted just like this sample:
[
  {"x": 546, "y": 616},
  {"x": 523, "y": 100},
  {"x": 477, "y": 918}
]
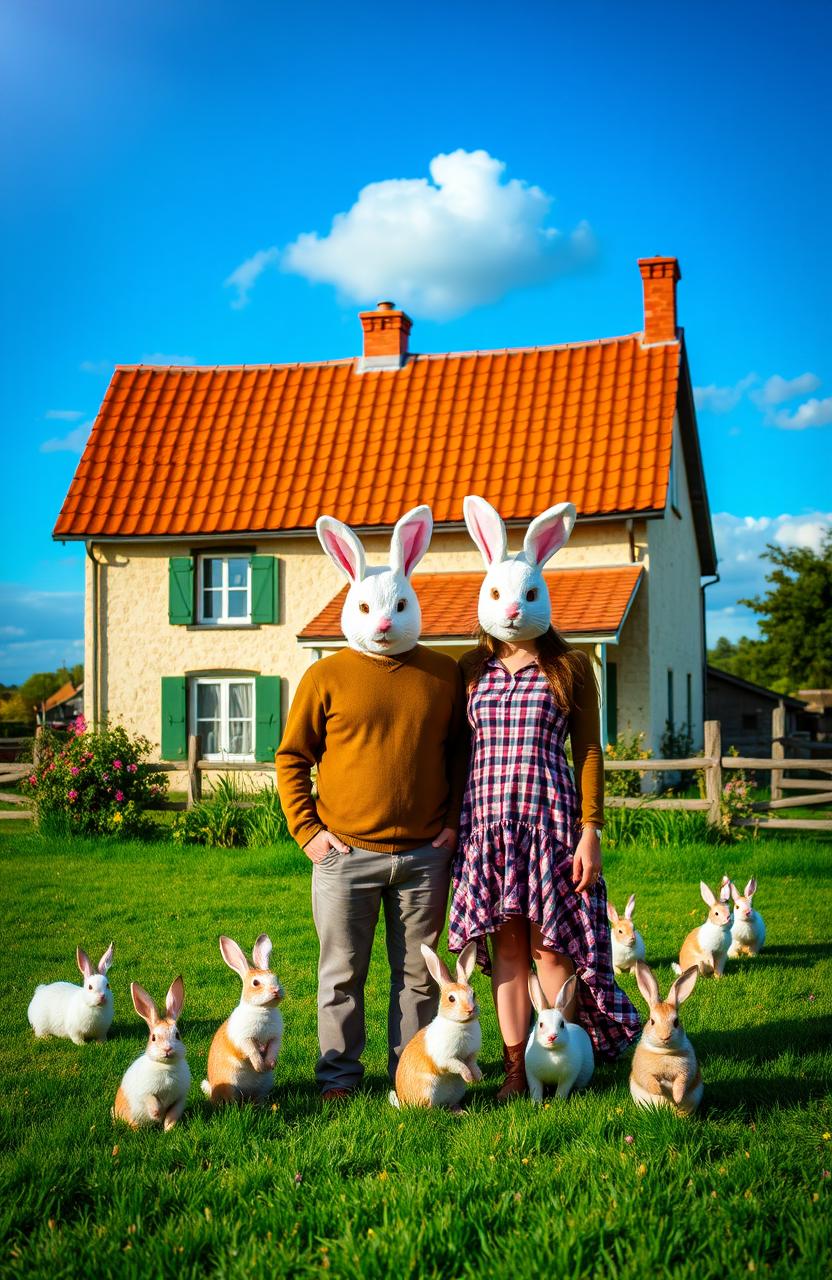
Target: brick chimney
[
  {"x": 386, "y": 331},
  {"x": 659, "y": 276}
]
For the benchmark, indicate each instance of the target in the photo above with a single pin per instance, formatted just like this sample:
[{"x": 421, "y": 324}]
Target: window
[
  {"x": 222, "y": 713},
  {"x": 224, "y": 590}
]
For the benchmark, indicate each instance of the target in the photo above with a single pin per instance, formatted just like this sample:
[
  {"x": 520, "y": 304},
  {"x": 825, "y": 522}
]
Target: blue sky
[{"x": 150, "y": 151}]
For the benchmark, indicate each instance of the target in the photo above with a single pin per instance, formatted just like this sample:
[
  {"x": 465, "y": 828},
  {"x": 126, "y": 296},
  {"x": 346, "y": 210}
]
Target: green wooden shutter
[
  {"x": 267, "y": 717},
  {"x": 174, "y": 736},
  {"x": 612, "y": 702},
  {"x": 181, "y": 590},
  {"x": 264, "y": 588}
]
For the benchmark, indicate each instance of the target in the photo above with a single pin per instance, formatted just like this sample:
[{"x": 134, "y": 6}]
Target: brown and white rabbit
[
  {"x": 245, "y": 1048},
  {"x": 664, "y": 1071},
  {"x": 441, "y": 1060},
  {"x": 707, "y": 946},
  {"x": 154, "y": 1088},
  {"x": 748, "y": 932},
  {"x": 627, "y": 942}
]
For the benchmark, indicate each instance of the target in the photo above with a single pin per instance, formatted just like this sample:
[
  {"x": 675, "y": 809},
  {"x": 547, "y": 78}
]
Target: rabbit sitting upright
[
  {"x": 558, "y": 1052},
  {"x": 154, "y": 1088},
  {"x": 441, "y": 1059}
]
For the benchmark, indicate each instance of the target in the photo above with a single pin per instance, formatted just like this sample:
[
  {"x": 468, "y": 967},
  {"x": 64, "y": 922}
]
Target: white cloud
[
  {"x": 41, "y": 629},
  {"x": 438, "y": 246},
  {"x": 714, "y": 399},
  {"x": 96, "y": 366},
  {"x": 72, "y": 442},
  {"x": 776, "y": 390},
  {"x": 159, "y": 357},
  {"x": 740, "y": 541},
  {"x": 812, "y": 413},
  {"x": 64, "y": 415},
  {"x": 244, "y": 277},
  {"x": 12, "y": 631}
]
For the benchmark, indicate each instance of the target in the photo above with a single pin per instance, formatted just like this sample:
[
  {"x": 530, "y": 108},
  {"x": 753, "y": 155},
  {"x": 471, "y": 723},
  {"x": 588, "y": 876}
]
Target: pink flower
[
  {"x": 824, "y": 1173},
  {"x": 154, "y": 790},
  {"x": 298, "y": 1179},
  {"x": 79, "y": 724},
  {"x": 32, "y": 779},
  {"x": 106, "y": 777},
  {"x": 72, "y": 795},
  {"x": 116, "y": 764},
  {"x": 131, "y": 768},
  {"x": 74, "y": 770},
  {"x": 119, "y": 797},
  {"x": 629, "y": 1138}
]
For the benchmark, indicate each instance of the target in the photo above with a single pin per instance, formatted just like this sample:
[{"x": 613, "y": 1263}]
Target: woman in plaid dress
[{"x": 527, "y": 876}]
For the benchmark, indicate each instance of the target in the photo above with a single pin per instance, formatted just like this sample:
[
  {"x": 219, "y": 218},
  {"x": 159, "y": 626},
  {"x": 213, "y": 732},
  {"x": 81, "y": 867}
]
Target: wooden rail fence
[{"x": 712, "y": 764}]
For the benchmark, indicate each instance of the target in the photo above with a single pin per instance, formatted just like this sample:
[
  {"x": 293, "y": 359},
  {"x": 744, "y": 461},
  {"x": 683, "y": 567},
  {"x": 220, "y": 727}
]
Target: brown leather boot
[{"x": 514, "y": 1064}]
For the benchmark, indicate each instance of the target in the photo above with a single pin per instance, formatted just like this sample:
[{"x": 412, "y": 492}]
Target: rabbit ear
[
  {"x": 612, "y": 914},
  {"x": 630, "y": 907},
  {"x": 83, "y": 962},
  {"x": 145, "y": 1007},
  {"x": 647, "y": 984},
  {"x": 725, "y": 889},
  {"x": 262, "y": 953},
  {"x": 467, "y": 960},
  {"x": 735, "y": 893},
  {"x": 707, "y": 896},
  {"x": 436, "y": 968},
  {"x": 233, "y": 956},
  {"x": 486, "y": 527},
  {"x": 342, "y": 546},
  {"x": 566, "y": 992},
  {"x": 106, "y": 960},
  {"x": 175, "y": 998},
  {"x": 410, "y": 540},
  {"x": 683, "y": 986},
  {"x": 751, "y": 887},
  {"x": 538, "y": 996},
  {"x": 548, "y": 532}
]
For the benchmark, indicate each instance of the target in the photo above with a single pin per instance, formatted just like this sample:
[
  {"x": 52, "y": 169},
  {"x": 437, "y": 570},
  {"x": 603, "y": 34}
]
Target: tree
[
  {"x": 796, "y": 616},
  {"x": 749, "y": 659}
]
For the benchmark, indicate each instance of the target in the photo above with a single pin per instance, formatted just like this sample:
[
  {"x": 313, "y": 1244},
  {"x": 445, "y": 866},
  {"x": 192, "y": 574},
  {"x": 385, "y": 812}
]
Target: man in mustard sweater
[{"x": 384, "y": 723}]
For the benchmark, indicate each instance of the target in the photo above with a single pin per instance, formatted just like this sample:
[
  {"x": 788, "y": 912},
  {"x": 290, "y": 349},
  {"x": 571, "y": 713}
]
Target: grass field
[{"x": 294, "y": 1190}]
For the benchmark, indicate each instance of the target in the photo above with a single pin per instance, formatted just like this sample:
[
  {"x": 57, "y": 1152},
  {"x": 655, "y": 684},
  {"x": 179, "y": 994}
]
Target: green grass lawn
[{"x": 365, "y": 1191}]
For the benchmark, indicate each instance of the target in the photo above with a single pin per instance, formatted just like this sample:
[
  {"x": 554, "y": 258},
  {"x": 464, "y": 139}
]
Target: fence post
[
  {"x": 778, "y": 747},
  {"x": 713, "y": 771},
  {"x": 194, "y": 775}
]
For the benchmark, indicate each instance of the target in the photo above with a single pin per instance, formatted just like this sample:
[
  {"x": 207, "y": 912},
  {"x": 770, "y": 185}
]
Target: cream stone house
[{"x": 207, "y": 594}]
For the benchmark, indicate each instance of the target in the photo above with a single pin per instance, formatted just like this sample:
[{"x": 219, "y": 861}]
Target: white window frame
[
  {"x": 224, "y": 682},
  {"x": 224, "y": 620}
]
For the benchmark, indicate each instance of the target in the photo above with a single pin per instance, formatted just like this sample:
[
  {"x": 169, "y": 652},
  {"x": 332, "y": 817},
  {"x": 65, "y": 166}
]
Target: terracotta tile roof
[
  {"x": 179, "y": 451},
  {"x": 584, "y": 602},
  {"x": 62, "y": 695}
]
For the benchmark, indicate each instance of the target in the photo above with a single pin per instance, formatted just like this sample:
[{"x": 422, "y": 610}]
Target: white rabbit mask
[
  {"x": 514, "y": 600},
  {"x": 381, "y": 614}
]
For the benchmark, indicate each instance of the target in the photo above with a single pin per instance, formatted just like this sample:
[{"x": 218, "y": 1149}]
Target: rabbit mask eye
[
  {"x": 364, "y": 607},
  {"x": 495, "y": 595},
  {"x": 531, "y": 595},
  {"x": 401, "y": 606}
]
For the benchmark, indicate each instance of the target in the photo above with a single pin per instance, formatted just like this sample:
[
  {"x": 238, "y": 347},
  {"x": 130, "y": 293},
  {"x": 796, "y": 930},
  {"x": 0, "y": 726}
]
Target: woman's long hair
[{"x": 565, "y": 668}]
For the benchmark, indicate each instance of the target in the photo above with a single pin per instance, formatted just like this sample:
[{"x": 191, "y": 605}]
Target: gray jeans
[{"x": 348, "y": 890}]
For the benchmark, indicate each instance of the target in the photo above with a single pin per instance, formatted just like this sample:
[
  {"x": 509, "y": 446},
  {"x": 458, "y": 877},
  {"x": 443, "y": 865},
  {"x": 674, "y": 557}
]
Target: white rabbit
[
  {"x": 627, "y": 942},
  {"x": 75, "y": 1013},
  {"x": 154, "y": 1088},
  {"x": 514, "y": 599},
  {"x": 748, "y": 932},
  {"x": 441, "y": 1059},
  {"x": 381, "y": 613},
  {"x": 558, "y": 1052}
]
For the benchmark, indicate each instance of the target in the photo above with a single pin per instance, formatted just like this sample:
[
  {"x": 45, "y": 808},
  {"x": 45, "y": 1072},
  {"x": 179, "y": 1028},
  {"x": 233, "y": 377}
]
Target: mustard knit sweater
[{"x": 388, "y": 736}]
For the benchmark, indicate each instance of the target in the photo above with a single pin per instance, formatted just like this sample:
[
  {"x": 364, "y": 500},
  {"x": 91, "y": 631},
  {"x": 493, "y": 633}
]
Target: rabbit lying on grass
[{"x": 75, "y": 1013}]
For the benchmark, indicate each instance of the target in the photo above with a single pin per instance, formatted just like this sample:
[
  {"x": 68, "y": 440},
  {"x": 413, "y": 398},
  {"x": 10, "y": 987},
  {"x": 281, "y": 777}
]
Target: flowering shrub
[
  {"x": 625, "y": 782},
  {"x": 93, "y": 782},
  {"x": 736, "y": 800}
]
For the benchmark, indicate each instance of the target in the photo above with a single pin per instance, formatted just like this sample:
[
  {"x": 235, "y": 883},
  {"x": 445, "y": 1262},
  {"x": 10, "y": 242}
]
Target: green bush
[
  {"x": 657, "y": 828},
  {"x": 233, "y": 816},
  {"x": 625, "y": 782},
  {"x": 93, "y": 781}
]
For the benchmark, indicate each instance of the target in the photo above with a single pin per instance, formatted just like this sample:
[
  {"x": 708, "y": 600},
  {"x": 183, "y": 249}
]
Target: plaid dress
[{"x": 518, "y": 832}]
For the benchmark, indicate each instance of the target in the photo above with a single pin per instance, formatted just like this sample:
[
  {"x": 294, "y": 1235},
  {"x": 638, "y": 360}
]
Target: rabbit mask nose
[
  {"x": 512, "y": 611},
  {"x": 384, "y": 624}
]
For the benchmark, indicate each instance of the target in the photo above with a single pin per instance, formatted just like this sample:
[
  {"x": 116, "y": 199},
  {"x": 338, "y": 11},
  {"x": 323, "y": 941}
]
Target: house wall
[
  {"x": 675, "y": 620},
  {"x": 137, "y": 645}
]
